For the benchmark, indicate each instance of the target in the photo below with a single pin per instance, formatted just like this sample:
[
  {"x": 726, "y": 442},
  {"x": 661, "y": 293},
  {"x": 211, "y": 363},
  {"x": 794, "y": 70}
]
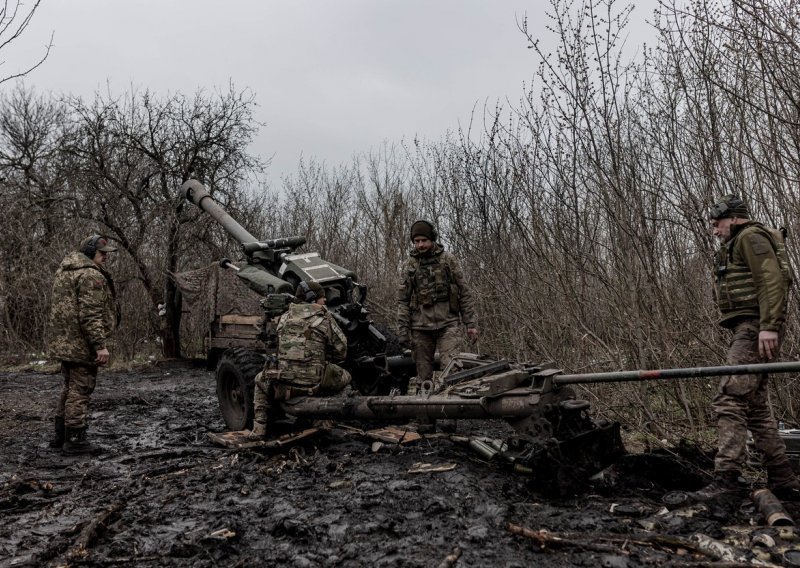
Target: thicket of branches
[{"x": 579, "y": 211}]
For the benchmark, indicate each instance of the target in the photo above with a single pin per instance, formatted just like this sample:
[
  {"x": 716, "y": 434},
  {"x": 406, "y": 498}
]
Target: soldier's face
[
  {"x": 721, "y": 228},
  {"x": 422, "y": 244},
  {"x": 100, "y": 257}
]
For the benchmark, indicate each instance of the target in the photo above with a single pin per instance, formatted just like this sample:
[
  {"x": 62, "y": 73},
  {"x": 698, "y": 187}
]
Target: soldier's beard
[{"x": 723, "y": 238}]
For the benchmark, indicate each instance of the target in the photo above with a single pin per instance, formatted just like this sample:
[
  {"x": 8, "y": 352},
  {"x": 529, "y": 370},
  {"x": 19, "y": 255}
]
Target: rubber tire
[{"x": 236, "y": 375}]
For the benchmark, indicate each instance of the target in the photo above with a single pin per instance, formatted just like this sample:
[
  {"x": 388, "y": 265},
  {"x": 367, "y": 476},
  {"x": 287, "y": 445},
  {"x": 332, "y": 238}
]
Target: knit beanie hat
[{"x": 423, "y": 228}]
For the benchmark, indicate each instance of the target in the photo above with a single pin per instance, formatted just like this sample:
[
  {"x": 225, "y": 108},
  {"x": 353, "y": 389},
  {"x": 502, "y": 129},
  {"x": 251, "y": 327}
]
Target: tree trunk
[
  {"x": 173, "y": 300},
  {"x": 171, "y": 326}
]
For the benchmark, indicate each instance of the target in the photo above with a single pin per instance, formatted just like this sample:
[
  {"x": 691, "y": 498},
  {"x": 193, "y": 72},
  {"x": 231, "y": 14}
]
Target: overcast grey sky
[{"x": 331, "y": 78}]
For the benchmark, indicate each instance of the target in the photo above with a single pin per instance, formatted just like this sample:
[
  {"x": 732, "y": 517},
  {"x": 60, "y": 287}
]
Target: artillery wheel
[{"x": 236, "y": 375}]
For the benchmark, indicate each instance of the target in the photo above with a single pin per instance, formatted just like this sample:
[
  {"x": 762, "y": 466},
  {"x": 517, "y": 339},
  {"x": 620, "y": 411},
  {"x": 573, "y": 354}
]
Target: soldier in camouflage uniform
[
  {"x": 82, "y": 318},
  {"x": 433, "y": 301},
  {"x": 751, "y": 289},
  {"x": 308, "y": 339}
]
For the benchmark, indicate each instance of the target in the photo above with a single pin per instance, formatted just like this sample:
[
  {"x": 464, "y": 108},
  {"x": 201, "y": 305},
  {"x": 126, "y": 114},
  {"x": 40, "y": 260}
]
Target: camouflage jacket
[
  {"x": 308, "y": 337},
  {"x": 83, "y": 313},
  {"x": 433, "y": 293},
  {"x": 749, "y": 281}
]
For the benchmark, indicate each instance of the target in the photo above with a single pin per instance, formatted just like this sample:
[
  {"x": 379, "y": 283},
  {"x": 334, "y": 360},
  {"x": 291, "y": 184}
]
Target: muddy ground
[{"x": 161, "y": 494}]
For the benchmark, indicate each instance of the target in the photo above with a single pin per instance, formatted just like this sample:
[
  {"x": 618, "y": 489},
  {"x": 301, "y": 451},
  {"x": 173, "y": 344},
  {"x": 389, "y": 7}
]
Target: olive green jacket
[
  {"x": 458, "y": 306},
  {"x": 83, "y": 313},
  {"x": 749, "y": 282}
]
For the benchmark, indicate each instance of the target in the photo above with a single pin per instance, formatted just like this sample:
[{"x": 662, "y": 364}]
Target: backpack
[{"x": 778, "y": 238}]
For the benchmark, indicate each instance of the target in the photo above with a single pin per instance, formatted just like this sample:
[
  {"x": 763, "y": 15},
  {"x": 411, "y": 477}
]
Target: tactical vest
[
  {"x": 432, "y": 283},
  {"x": 735, "y": 287},
  {"x": 301, "y": 345}
]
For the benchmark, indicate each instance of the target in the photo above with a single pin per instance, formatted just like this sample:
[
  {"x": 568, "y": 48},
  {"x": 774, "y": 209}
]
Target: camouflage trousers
[
  {"x": 271, "y": 386},
  {"x": 741, "y": 404},
  {"x": 73, "y": 404},
  {"x": 449, "y": 341},
  {"x": 263, "y": 395}
]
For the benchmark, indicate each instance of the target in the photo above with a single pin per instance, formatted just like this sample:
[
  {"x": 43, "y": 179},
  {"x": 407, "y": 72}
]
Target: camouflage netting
[{"x": 210, "y": 292}]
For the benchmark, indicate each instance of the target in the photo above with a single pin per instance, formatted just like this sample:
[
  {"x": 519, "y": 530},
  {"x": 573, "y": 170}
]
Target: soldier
[
  {"x": 433, "y": 299},
  {"x": 751, "y": 289},
  {"x": 82, "y": 318},
  {"x": 308, "y": 337}
]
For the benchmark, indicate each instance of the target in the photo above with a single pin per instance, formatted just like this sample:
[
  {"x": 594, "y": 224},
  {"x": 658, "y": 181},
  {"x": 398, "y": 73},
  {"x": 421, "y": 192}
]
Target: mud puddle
[{"x": 160, "y": 494}]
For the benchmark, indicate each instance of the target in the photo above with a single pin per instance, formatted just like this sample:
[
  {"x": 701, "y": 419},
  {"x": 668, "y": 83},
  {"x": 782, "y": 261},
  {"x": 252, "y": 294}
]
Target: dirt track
[{"x": 161, "y": 495}]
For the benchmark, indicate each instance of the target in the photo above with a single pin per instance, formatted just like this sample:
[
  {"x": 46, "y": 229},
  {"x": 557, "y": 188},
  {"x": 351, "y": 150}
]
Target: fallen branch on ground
[
  {"x": 451, "y": 559},
  {"x": 91, "y": 531},
  {"x": 591, "y": 542}
]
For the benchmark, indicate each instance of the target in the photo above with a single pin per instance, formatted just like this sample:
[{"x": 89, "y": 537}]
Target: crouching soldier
[{"x": 309, "y": 339}]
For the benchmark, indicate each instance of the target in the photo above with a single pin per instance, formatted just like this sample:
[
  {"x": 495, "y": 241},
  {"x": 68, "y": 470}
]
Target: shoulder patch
[
  {"x": 759, "y": 243},
  {"x": 97, "y": 283}
]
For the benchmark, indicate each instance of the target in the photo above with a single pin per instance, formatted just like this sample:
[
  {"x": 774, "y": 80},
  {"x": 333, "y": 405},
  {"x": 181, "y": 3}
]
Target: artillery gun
[
  {"x": 554, "y": 439},
  {"x": 273, "y": 269}
]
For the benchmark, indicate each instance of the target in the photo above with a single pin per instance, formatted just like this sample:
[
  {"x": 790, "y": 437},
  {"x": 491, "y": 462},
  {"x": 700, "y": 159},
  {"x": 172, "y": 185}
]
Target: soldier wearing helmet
[
  {"x": 751, "y": 285},
  {"x": 434, "y": 301},
  {"x": 83, "y": 316},
  {"x": 309, "y": 340}
]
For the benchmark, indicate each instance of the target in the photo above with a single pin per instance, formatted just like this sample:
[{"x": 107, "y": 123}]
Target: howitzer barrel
[
  {"x": 197, "y": 194},
  {"x": 683, "y": 373},
  {"x": 284, "y": 242},
  {"x": 391, "y": 407}
]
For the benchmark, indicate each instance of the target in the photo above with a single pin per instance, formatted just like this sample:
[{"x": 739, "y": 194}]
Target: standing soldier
[
  {"x": 433, "y": 300},
  {"x": 751, "y": 288},
  {"x": 308, "y": 337},
  {"x": 82, "y": 318}
]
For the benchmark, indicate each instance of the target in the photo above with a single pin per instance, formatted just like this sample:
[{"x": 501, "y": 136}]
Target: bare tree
[
  {"x": 31, "y": 197},
  {"x": 127, "y": 157},
  {"x": 14, "y": 20}
]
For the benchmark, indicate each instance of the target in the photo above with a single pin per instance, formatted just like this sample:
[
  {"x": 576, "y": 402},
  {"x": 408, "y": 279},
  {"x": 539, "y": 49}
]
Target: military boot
[
  {"x": 782, "y": 481},
  {"x": 262, "y": 414},
  {"x": 724, "y": 484},
  {"x": 59, "y": 433},
  {"x": 259, "y": 431},
  {"x": 76, "y": 442}
]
